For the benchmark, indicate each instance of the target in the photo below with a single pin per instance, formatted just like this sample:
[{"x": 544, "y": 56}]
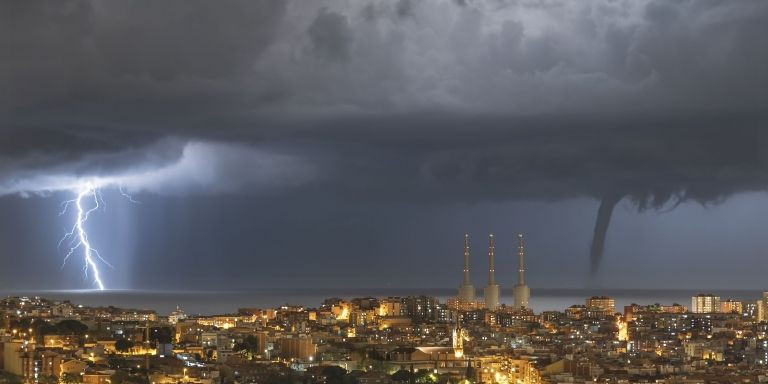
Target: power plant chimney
[
  {"x": 491, "y": 291},
  {"x": 491, "y": 254},
  {"x": 521, "y": 291},
  {"x": 466, "y": 289},
  {"x": 520, "y": 259},
  {"x": 466, "y": 259}
]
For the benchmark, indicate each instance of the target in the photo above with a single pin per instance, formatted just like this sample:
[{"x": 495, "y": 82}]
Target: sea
[{"x": 226, "y": 302}]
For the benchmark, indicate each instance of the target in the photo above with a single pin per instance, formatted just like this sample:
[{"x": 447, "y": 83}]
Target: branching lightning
[
  {"x": 88, "y": 200},
  {"x": 126, "y": 195}
]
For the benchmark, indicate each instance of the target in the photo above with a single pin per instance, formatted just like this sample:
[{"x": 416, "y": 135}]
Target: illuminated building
[
  {"x": 631, "y": 310},
  {"x": 576, "y": 312},
  {"x": 443, "y": 314},
  {"x": 261, "y": 341},
  {"x": 338, "y": 308},
  {"x": 223, "y": 321},
  {"x": 365, "y": 303},
  {"x": 705, "y": 303},
  {"x": 674, "y": 308},
  {"x": 750, "y": 309},
  {"x": 50, "y": 363},
  {"x": 491, "y": 292},
  {"x": 621, "y": 325},
  {"x": 466, "y": 290},
  {"x": 362, "y": 317},
  {"x": 457, "y": 337},
  {"x": 297, "y": 347},
  {"x": 478, "y": 315},
  {"x": 602, "y": 303},
  {"x": 457, "y": 305},
  {"x": 421, "y": 308},
  {"x": 295, "y": 315},
  {"x": 504, "y": 370},
  {"x": 96, "y": 378},
  {"x": 521, "y": 291},
  {"x": 176, "y": 315},
  {"x": 435, "y": 358},
  {"x": 391, "y": 306},
  {"x": 219, "y": 340},
  {"x": 395, "y": 322},
  {"x": 762, "y": 308},
  {"x": 135, "y": 315},
  {"x": 72, "y": 367},
  {"x": 59, "y": 341},
  {"x": 731, "y": 306},
  {"x": 63, "y": 309},
  {"x": 18, "y": 356}
]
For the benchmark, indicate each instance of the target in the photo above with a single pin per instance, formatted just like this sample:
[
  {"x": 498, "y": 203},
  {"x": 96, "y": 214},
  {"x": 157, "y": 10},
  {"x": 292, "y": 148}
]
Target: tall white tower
[
  {"x": 491, "y": 291},
  {"x": 466, "y": 289},
  {"x": 521, "y": 291}
]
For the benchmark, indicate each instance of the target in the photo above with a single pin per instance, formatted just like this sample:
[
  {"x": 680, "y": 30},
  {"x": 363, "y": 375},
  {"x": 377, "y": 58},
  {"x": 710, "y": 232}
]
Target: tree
[
  {"x": 425, "y": 376},
  {"x": 374, "y": 354},
  {"x": 47, "y": 329},
  {"x": 119, "y": 377},
  {"x": 9, "y": 378},
  {"x": 370, "y": 358},
  {"x": 403, "y": 376},
  {"x": 124, "y": 345},
  {"x": 249, "y": 346},
  {"x": 71, "y": 327},
  {"x": 334, "y": 374},
  {"x": 48, "y": 379},
  {"x": 161, "y": 335},
  {"x": 115, "y": 362},
  {"x": 276, "y": 378},
  {"x": 69, "y": 378},
  {"x": 136, "y": 379},
  {"x": 21, "y": 323}
]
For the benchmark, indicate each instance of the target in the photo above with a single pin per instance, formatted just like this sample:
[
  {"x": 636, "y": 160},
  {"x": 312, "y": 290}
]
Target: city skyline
[{"x": 403, "y": 339}]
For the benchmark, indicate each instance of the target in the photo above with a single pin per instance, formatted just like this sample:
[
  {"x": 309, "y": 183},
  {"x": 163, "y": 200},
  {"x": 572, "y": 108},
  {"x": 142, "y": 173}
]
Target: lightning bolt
[{"x": 88, "y": 200}]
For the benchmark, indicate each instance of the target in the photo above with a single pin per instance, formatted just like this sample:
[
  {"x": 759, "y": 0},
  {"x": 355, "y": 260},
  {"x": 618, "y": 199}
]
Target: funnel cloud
[{"x": 602, "y": 222}]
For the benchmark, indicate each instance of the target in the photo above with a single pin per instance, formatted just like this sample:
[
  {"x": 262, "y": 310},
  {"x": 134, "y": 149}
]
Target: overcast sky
[{"x": 352, "y": 143}]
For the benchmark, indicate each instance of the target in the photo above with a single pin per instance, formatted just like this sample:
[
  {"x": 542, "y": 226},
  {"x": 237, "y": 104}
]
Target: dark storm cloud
[
  {"x": 439, "y": 101},
  {"x": 655, "y": 163},
  {"x": 80, "y": 75},
  {"x": 184, "y": 38},
  {"x": 79, "y": 44},
  {"x": 330, "y": 35},
  {"x": 89, "y": 76},
  {"x": 150, "y": 65}
]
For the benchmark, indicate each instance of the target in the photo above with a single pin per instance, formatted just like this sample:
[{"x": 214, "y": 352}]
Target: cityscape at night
[{"x": 383, "y": 191}]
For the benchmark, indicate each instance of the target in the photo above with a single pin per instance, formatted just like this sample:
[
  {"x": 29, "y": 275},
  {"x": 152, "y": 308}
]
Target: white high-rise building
[
  {"x": 705, "y": 303},
  {"x": 762, "y": 308}
]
